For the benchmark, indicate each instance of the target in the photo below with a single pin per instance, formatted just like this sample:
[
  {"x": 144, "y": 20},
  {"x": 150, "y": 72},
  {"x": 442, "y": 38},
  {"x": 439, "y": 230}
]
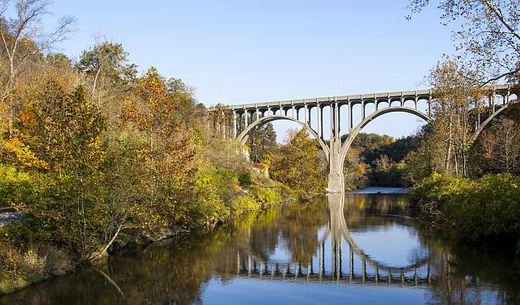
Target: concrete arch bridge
[{"x": 325, "y": 118}]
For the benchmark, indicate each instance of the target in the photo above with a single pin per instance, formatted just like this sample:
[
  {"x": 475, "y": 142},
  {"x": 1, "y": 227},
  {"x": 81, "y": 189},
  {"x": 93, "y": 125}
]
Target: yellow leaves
[
  {"x": 23, "y": 154},
  {"x": 361, "y": 169}
]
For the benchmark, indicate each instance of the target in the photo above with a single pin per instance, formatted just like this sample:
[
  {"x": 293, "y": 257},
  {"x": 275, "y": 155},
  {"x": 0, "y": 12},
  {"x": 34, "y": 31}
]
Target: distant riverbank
[{"x": 381, "y": 190}]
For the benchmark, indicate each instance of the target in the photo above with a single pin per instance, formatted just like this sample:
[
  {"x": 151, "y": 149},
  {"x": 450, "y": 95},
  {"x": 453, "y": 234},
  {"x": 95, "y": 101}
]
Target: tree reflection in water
[{"x": 306, "y": 243}]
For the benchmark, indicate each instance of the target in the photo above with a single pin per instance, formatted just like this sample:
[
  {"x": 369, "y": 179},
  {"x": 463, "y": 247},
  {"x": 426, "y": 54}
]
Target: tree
[
  {"x": 488, "y": 34},
  {"x": 297, "y": 165},
  {"x": 455, "y": 93},
  {"x": 22, "y": 42},
  {"x": 501, "y": 147},
  {"x": 262, "y": 143},
  {"x": 107, "y": 61},
  {"x": 168, "y": 148}
]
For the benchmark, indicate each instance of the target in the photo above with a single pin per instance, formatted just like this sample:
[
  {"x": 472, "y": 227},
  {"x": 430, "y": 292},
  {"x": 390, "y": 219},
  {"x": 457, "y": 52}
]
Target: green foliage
[
  {"x": 110, "y": 60},
  {"x": 262, "y": 143},
  {"x": 470, "y": 211},
  {"x": 265, "y": 196},
  {"x": 380, "y": 161},
  {"x": 93, "y": 153},
  {"x": 297, "y": 165}
]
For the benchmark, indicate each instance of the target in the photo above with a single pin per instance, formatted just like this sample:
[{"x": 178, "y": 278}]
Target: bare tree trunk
[{"x": 448, "y": 148}]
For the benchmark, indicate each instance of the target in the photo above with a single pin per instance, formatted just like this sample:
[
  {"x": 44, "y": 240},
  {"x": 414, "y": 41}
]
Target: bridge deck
[{"x": 355, "y": 98}]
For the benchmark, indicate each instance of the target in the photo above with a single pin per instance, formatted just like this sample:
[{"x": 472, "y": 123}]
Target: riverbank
[
  {"x": 483, "y": 212},
  {"x": 25, "y": 261},
  {"x": 381, "y": 190}
]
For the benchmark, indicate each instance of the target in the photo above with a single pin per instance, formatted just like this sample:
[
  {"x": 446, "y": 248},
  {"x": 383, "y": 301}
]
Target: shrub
[{"x": 472, "y": 211}]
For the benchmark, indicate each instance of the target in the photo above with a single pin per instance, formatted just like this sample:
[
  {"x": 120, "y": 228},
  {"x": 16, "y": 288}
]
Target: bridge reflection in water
[
  {"x": 348, "y": 250},
  {"x": 342, "y": 267}
]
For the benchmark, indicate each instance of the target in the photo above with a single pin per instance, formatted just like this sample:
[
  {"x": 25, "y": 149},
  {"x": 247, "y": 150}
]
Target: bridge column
[
  {"x": 336, "y": 120},
  {"x": 350, "y": 117},
  {"x": 319, "y": 119},
  {"x": 335, "y": 179}
]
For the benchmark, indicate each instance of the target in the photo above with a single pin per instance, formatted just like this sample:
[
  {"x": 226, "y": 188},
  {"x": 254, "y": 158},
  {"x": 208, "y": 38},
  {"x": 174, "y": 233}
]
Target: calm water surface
[{"x": 357, "y": 249}]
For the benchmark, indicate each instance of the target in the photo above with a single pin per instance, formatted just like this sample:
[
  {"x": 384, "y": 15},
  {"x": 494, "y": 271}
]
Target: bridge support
[{"x": 336, "y": 183}]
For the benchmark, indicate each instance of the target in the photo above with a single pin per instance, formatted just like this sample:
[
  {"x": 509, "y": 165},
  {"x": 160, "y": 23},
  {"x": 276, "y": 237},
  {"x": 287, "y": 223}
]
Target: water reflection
[{"x": 355, "y": 249}]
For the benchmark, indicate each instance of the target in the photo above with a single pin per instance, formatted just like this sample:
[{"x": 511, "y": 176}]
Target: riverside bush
[{"x": 485, "y": 210}]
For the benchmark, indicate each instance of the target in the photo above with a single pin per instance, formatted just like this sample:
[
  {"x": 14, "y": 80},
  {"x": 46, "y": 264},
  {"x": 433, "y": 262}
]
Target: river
[{"x": 357, "y": 249}]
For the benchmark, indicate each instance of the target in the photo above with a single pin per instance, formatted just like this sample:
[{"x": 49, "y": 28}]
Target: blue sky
[{"x": 244, "y": 51}]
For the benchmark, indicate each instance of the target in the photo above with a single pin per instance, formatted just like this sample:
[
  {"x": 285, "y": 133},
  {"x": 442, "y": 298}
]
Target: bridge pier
[{"x": 336, "y": 183}]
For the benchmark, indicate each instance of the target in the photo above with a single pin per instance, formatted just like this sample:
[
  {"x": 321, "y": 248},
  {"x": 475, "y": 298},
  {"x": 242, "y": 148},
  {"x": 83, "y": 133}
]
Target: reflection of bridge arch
[
  {"x": 239, "y": 120},
  {"x": 372, "y": 272},
  {"x": 243, "y": 136},
  {"x": 338, "y": 229}
]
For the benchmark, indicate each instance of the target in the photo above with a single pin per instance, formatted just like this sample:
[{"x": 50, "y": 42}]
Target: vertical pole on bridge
[
  {"x": 336, "y": 119},
  {"x": 234, "y": 119},
  {"x": 351, "y": 273},
  {"x": 430, "y": 105},
  {"x": 319, "y": 119},
  {"x": 245, "y": 118},
  {"x": 477, "y": 105},
  {"x": 306, "y": 114},
  {"x": 331, "y": 118},
  {"x": 350, "y": 117},
  {"x": 492, "y": 101},
  {"x": 364, "y": 270}
]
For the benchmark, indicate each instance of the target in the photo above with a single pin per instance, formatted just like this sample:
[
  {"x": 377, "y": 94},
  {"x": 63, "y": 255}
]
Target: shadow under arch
[
  {"x": 338, "y": 228},
  {"x": 357, "y": 130},
  {"x": 243, "y": 136}
]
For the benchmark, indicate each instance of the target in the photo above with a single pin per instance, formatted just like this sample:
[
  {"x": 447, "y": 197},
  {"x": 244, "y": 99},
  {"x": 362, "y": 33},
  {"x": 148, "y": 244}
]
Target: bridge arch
[
  {"x": 484, "y": 124},
  {"x": 243, "y": 136},
  {"x": 357, "y": 130}
]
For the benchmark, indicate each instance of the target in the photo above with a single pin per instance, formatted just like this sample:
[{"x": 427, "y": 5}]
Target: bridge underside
[{"x": 239, "y": 121}]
